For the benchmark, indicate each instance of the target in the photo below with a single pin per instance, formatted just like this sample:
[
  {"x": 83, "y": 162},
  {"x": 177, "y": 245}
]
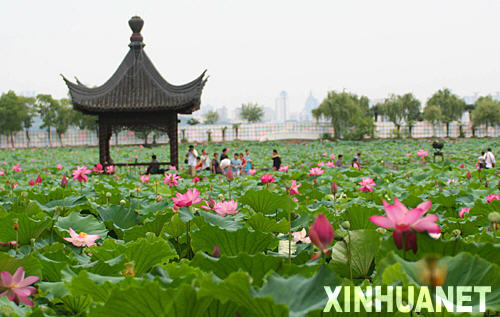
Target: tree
[
  {"x": 211, "y": 117},
  {"x": 13, "y": 112},
  {"x": 433, "y": 115},
  {"x": 251, "y": 112},
  {"x": 401, "y": 108},
  {"x": 193, "y": 121},
  {"x": 486, "y": 111},
  {"x": 452, "y": 107},
  {"x": 29, "y": 103},
  {"x": 236, "y": 128},
  {"x": 63, "y": 118},
  {"x": 83, "y": 121},
  {"x": 349, "y": 114},
  {"x": 47, "y": 107}
]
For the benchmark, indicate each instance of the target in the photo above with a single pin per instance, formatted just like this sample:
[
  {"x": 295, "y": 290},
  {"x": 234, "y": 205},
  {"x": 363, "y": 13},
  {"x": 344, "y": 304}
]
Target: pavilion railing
[{"x": 246, "y": 132}]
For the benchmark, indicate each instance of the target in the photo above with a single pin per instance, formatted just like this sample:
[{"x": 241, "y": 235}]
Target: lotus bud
[
  {"x": 39, "y": 179},
  {"x": 469, "y": 175},
  {"x": 486, "y": 184},
  {"x": 229, "y": 175},
  {"x": 334, "y": 188},
  {"x": 216, "y": 252},
  {"x": 436, "y": 182},
  {"x": 346, "y": 225},
  {"x": 456, "y": 233},
  {"x": 64, "y": 182},
  {"x": 321, "y": 233},
  {"x": 494, "y": 217},
  {"x": 129, "y": 269},
  {"x": 122, "y": 202}
]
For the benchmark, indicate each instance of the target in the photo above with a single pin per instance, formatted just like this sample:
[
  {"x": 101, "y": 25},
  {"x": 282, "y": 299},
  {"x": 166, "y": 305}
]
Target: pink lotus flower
[
  {"x": 294, "y": 188},
  {"x": 324, "y": 154},
  {"x": 82, "y": 239},
  {"x": 159, "y": 198},
  {"x": 321, "y": 233},
  {"x": 451, "y": 180},
  {"x": 462, "y": 212},
  {"x": 321, "y": 164},
  {"x": 330, "y": 164},
  {"x": 191, "y": 197},
  {"x": 110, "y": 169},
  {"x": 367, "y": 184},
  {"x": 226, "y": 208},
  {"x": 64, "y": 182},
  {"x": 252, "y": 172},
  {"x": 332, "y": 157},
  {"x": 38, "y": 180},
  {"x": 421, "y": 153},
  {"x": 301, "y": 165},
  {"x": 172, "y": 168},
  {"x": 31, "y": 182},
  {"x": 144, "y": 179},
  {"x": 7, "y": 244},
  {"x": 80, "y": 174},
  {"x": 316, "y": 171},
  {"x": 16, "y": 287},
  {"x": 407, "y": 221},
  {"x": 4, "y": 163},
  {"x": 98, "y": 168},
  {"x": 301, "y": 236},
  {"x": 209, "y": 205},
  {"x": 267, "y": 178},
  {"x": 2, "y": 173},
  {"x": 492, "y": 197},
  {"x": 462, "y": 165},
  {"x": 230, "y": 175},
  {"x": 283, "y": 168},
  {"x": 408, "y": 154},
  {"x": 196, "y": 179},
  {"x": 171, "y": 179},
  {"x": 468, "y": 175},
  {"x": 59, "y": 166},
  {"x": 17, "y": 168}
]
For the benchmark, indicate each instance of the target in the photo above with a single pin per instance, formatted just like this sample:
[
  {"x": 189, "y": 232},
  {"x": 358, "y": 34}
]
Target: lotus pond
[{"x": 117, "y": 244}]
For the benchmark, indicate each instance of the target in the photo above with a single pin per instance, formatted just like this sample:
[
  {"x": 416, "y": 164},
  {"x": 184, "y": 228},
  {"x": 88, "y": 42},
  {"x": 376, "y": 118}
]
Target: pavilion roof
[{"x": 136, "y": 86}]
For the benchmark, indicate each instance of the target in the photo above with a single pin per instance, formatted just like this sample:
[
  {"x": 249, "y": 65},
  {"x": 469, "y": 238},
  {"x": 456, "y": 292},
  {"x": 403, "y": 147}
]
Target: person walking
[
  {"x": 489, "y": 159},
  {"x": 248, "y": 161},
  {"x": 276, "y": 161},
  {"x": 216, "y": 165},
  {"x": 191, "y": 158},
  {"x": 236, "y": 164}
]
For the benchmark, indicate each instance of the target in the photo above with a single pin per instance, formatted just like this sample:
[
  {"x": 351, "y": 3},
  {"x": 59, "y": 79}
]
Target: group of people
[
  {"x": 486, "y": 160},
  {"x": 239, "y": 164}
]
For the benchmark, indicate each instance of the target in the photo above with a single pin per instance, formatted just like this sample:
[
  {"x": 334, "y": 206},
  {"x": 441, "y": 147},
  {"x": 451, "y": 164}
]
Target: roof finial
[{"x": 136, "y": 24}]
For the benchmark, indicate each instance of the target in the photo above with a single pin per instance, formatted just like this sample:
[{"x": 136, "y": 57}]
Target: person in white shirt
[
  {"x": 205, "y": 159},
  {"x": 489, "y": 159},
  {"x": 191, "y": 158}
]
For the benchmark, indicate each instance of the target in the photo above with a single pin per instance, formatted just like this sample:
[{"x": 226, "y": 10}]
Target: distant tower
[
  {"x": 311, "y": 103},
  {"x": 281, "y": 105}
]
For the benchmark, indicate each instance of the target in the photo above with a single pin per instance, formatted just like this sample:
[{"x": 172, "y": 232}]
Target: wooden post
[
  {"x": 173, "y": 139},
  {"x": 102, "y": 141}
]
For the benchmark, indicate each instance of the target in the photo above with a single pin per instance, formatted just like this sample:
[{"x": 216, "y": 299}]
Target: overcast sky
[{"x": 254, "y": 49}]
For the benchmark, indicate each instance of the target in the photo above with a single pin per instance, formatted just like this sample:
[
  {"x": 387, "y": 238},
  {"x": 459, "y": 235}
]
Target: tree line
[{"x": 352, "y": 118}]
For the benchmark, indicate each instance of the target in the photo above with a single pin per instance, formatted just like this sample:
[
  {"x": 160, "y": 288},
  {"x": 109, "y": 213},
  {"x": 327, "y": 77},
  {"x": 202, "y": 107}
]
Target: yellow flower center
[{"x": 82, "y": 234}]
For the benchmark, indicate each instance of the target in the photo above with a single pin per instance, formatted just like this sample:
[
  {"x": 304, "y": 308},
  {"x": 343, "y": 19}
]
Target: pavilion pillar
[
  {"x": 173, "y": 139},
  {"x": 102, "y": 141},
  {"x": 108, "y": 139}
]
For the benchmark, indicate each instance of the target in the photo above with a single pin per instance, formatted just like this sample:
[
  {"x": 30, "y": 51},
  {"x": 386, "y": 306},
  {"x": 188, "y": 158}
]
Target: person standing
[
  {"x": 215, "y": 164},
  {"x": 248, "y": 161},
  {"x": 480, "y": 160},
  {"x": 191, "y": 157},
  {"x": 224, "y": 154},
  {"x": 276, "y": 161},
  {"x": 339, "y": 162},
  {"x": 236, "y": 164},
  {"x": 489, "y": 159},
  {"x": 205, "y": 160},
  {"x": 243, "y": 164}
]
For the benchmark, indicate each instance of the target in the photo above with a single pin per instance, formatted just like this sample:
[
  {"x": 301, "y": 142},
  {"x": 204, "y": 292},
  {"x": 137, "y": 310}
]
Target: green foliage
[
  {"x": 349, "y": 114},
  {"x": 251, "y": 112},
  {"x": 452, "y": 107},
  {"x": 486, "y": 111},
  {"x": 211, "y": 117},
  {"x": 401, "y": 108}
]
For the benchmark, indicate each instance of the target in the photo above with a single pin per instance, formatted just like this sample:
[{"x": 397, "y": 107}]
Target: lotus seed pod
[
  {"x": 346, "y": 225},
  {"x": 108, "y": 195},
  {"x": 456, "y": 232},
  {"x": 494, "y": 217},
  {"x": 122, "y": 202}
]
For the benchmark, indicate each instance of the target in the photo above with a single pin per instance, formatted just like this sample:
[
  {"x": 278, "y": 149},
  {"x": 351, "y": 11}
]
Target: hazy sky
[{"x": 253, "y": 49}]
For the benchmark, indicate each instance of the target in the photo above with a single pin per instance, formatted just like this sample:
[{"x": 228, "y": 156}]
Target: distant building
[
  {"x": 311, "y": 103},
  {"x": 268, "y": 114},
  {"x": 471, "y": 99},
  {"x": 223, "y": 114},
  {"x": 281, "y": 107}
]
